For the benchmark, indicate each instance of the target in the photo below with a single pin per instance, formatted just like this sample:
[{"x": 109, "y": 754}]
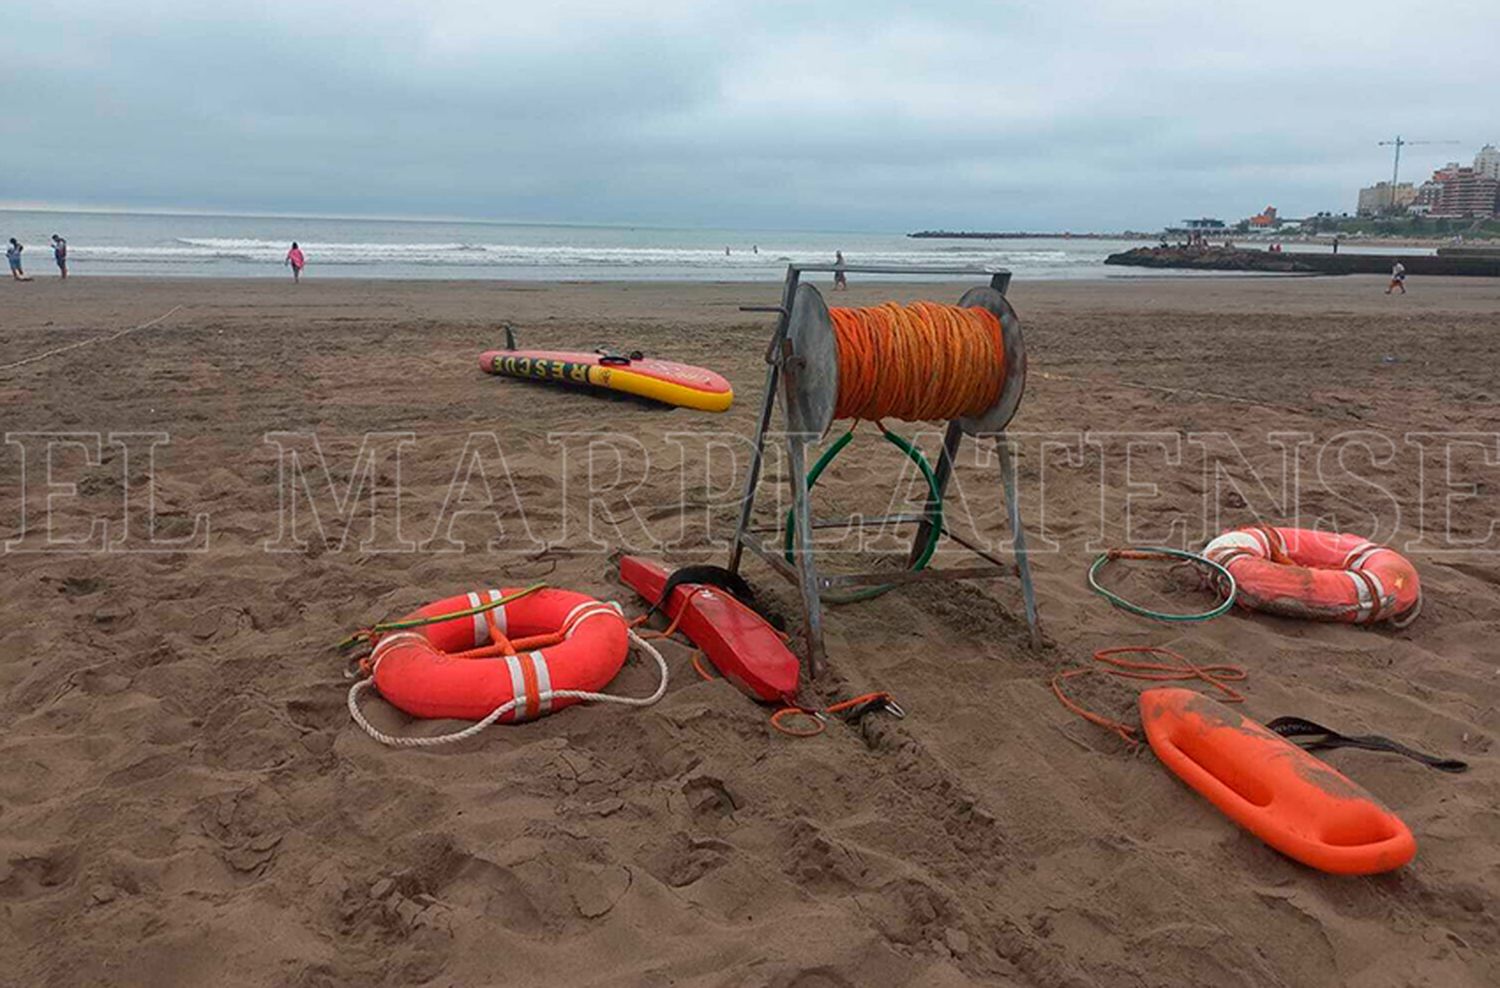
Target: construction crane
[{"x": 1399, "y": 144}]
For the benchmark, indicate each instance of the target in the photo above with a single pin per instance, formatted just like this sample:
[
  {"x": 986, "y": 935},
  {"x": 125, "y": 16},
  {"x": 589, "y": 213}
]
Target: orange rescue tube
[
  {"x": 524, "y": 650},
  {"x": 1297, "y": 804},
  {"x": 1326, "y": 576}
]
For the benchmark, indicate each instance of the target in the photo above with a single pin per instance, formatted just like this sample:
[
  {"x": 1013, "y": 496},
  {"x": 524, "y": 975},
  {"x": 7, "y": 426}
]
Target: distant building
[
  {"x": 1427, "y": 198},
  {"x": 1447, "y": 172},
  {"x": 1197, "y": 232},
  {"x": 1202, "y": 227},
  {"x": 1265, "y": 220},
  {"x": 1431, "y": 191},
  {"x": 1487, "y": 162},
  {"x": 1465, "y": 192},
  {"x": 1383, "y": 197}
]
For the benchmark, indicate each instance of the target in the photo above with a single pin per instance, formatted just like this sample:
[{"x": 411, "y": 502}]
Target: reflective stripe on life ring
[
  {"x": 531, "y": 684},
  {"x": 481, "y": 621}
]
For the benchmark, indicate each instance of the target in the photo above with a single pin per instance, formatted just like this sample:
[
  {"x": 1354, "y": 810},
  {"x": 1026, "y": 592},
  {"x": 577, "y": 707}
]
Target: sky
[{"x": 839, "y": 115}]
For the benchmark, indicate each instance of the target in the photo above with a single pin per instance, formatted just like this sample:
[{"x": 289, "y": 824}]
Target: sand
[{"x": 184, "y": 800}]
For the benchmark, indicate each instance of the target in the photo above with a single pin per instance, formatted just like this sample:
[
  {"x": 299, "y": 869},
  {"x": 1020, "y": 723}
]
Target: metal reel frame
[{"x": 802, "y": 360}]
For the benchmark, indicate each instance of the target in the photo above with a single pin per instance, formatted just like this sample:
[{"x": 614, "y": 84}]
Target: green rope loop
[
  {"x": 420, "y": 622},
  {"x": 934, "y": 517},
  {"x": 1225, "y": 580}
]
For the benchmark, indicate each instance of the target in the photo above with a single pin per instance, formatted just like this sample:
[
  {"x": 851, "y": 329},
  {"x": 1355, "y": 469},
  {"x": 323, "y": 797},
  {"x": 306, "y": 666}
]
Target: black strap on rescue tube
[
  {"x": 1314, "y": 737},
  {"x": 716, "y": 576}
]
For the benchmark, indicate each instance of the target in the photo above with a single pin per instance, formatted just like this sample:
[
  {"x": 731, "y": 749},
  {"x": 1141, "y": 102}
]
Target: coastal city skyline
[{"x": 1454, "y": 190}]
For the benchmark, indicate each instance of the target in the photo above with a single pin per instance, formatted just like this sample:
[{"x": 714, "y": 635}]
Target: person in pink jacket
[{"x": 296, "y": 260}]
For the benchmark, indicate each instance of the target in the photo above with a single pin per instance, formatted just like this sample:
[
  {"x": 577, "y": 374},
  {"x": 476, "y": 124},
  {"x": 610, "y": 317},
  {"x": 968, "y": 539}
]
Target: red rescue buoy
[
  {"x": 1294, "y": 802},
  {"x": 740, "y": 643}
]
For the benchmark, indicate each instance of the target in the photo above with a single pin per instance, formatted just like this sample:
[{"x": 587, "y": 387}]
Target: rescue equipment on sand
[
  {"x": 1327, "y": 576},
  {"x": 660, "y": 380},
  {"x": 1297, "y": 804},
  {"x": 964, "y": 364},
  {"x": 745, "y": 648},
  {"x": 917, "y": 362},
  {"x": 497, "y": 655},
  {"x": 741, "y": 644}
]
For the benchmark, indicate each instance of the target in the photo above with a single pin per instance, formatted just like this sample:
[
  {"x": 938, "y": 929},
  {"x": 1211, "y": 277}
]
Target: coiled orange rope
[
  {"x": 1219, "y": 676},
  {"x": 919, "y": 362}
]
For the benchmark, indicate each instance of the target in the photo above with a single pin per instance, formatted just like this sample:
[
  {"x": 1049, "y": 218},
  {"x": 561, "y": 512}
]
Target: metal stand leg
[
  {"x": 752, "y": 480},
  {"x": 757, "y": 456},
  {"x": 812, "y": 605},
  {"x": 1018, "y": 536},
  {"x": 942, "y": 474}
]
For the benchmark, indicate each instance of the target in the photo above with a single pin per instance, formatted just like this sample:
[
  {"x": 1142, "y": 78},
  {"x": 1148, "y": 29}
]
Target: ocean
[
  {"x": 174, "y": 245},
  {"x": 179, "y": 245}
]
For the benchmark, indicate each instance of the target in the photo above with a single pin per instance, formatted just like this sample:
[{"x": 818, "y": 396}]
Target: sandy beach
[{"x": 185, "y": 800}]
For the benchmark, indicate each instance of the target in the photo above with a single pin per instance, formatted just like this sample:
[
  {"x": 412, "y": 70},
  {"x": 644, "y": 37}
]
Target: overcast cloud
[{"x": 845, "y": 114}]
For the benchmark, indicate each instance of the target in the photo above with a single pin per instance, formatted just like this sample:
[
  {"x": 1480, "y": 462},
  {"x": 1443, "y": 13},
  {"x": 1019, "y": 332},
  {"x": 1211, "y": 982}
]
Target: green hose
[
  {"x": 384, "y": 626},
  {"x": 934, "y": 517},
  {"x": 1225, "y": 582}
]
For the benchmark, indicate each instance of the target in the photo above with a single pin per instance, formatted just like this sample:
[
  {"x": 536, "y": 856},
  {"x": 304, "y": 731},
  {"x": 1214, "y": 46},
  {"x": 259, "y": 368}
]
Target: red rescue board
[
  {"x": 1296, "y": 803},
  {"x": 660, "y": 380},
  {"x": 741, "y": 644}
]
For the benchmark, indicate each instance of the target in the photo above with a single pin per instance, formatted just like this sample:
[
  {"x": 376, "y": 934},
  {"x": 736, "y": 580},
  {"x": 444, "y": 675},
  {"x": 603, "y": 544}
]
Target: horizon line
[{"x": 32, "y": 207}]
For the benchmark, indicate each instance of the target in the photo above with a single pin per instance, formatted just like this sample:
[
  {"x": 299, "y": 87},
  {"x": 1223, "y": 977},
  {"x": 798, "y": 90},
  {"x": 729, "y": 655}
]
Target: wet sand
[{"x": 185, "y": 800}]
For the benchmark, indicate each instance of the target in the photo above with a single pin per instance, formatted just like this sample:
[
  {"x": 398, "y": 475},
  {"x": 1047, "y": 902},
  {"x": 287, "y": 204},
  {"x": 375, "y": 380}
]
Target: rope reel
[
  {"x": 918, "y": 362},
  {"x": 925, "y": 361}
]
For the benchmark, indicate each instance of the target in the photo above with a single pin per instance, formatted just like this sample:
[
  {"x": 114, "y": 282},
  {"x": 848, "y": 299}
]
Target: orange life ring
[
  {"x": 563, "y": 641},
  {"x": 1326, "y": 576},
  {"x": 1297, "y": 804}
]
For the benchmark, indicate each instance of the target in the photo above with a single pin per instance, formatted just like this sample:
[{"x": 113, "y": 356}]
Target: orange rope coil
[
  {"x": 1181, "y": 669},
  {"x": 918, "y": 362}
]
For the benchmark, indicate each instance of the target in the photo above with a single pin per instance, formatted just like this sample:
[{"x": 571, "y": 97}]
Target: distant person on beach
[
  {"x": 1335, "y": 244},
  {"x": 1398, "y": 278},
  {"x": 295, "y": 259},
  {"x": 60, "y": 254},
  {"x": 840, "y": 282},
  {"x": 13, "y": 256}
]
